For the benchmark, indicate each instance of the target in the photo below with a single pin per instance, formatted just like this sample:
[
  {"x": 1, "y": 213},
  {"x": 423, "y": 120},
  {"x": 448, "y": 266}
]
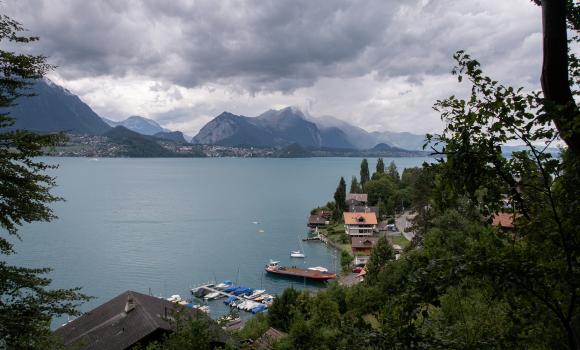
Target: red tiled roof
[
  {"x": 505, "y": 220},
  {"x": 360, "y": 218}
]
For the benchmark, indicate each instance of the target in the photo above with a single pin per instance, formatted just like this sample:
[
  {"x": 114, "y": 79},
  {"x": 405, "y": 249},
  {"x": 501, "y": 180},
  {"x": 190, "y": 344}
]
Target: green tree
[
  {"x": 195, "y": 334},
  {"x": 254, "y": 327},
  {"x": 392, "y": 172},
  {"x": 281, "y": 312},
  {"x": 382, "y": 253},
  {"x": 355, "y": 186},
  {"x": 380, "y": 189},
  {"x": 364, "y": 172},
  {"x": 541, "y": 260},
  {"x": 380, "y": 166},
  {"x": 345, "y": 260},
  {"x": 340, "y": 198},
  {"x": 26, "y": 304}
]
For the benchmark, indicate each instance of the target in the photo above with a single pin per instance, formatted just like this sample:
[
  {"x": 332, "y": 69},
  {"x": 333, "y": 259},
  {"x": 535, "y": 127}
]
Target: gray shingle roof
[
  {"x": 109, "y": 326},
  {"x": 359, "y": 197}
]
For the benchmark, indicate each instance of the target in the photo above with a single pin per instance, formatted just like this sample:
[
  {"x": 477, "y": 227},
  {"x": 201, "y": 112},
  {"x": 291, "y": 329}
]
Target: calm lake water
[{"x": 165, "y": 225}]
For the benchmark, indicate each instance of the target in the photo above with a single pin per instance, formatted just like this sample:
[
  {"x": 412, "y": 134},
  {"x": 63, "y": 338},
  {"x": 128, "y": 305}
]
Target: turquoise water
[{"x": 166, "y": 225}]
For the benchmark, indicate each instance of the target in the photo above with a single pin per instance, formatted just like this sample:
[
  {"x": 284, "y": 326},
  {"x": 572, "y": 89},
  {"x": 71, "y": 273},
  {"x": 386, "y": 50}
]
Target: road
[{"x": 402, "y": 223}]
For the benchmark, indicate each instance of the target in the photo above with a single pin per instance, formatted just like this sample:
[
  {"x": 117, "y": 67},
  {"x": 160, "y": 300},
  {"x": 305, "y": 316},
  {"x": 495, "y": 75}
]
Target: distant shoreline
[{"x": 240, "y": 157}]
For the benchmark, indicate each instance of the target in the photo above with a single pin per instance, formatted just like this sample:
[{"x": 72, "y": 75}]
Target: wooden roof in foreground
[{"x": 111, "y": 327}]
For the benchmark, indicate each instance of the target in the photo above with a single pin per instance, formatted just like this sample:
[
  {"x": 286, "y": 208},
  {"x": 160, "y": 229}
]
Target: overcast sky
[{"x": 378, "y": 64}]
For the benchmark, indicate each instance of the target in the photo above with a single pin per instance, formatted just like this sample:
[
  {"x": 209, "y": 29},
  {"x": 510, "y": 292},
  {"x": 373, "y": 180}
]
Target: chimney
[{"x": 130, "y": 305}]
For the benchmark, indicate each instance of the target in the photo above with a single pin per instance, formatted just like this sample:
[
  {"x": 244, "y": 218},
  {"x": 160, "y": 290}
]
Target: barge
[{"x": 316, "y": 274}]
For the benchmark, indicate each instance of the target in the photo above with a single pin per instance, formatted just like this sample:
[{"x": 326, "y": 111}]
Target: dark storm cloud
[{"x": 261, "y": 45}]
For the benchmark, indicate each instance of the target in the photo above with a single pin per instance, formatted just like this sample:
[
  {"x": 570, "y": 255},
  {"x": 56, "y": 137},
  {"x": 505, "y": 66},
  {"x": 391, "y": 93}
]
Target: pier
[
  {"x": 322, "y": 238},
  {"x": 248, "y": 300}
]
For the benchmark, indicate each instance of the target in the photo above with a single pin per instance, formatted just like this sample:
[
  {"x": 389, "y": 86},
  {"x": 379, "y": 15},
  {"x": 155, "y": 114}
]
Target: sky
[{"x": 378, "y": 64}]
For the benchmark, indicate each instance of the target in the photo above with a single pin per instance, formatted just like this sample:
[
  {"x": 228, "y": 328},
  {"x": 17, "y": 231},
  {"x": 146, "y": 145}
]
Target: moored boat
[
  {"x": 296, "y": 254},
  {"x": 225, "y": 284},
  {"x": 213, "y": 295},
  {"x": 255, "y": 294},
  {"x": 317, "y": 275}
]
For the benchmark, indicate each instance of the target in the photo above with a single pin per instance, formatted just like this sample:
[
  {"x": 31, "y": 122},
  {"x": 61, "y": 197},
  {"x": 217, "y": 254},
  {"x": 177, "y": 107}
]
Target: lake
[{"x": 162, "y": 226}]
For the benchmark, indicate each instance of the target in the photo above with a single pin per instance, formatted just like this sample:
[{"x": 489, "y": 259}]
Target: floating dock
[{"x": 242, "y": 301}]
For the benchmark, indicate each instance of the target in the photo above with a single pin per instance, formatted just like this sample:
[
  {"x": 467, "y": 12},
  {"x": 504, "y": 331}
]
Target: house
[
  {"x": 362, "y": 248},
  {"x": 356, "y": 199},
  {"x": 327, "y": 214},
  {"x": 504, "y": 221},
  {"x": 359, "y": 224},
  {"x": 363, "y": 245},
  {"x": 363, "y": 209},
  {"x": 127, "y": 320},
  {"x": 317, "y": 221}
]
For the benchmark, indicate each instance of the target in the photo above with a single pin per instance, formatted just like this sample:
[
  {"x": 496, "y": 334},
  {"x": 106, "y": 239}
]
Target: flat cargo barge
[{"x": 312, "y": 274}]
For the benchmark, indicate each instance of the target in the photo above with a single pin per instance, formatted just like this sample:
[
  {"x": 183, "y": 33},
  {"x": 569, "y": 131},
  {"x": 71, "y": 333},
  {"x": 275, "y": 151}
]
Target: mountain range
[
  {"x": 56, "y": 109},
  {"x": 280, "y": 128},
  {"x": 143, "y": 126}
]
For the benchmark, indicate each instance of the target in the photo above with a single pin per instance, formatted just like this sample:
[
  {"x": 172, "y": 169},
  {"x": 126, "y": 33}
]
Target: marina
[{"x": 243, "y": 298}]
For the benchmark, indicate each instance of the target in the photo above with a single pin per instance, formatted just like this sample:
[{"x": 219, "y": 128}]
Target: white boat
[
  {"x": 255, "y": 222},
  {"x": 213, "y": 295},
  {"x": 296, "y": 254},
  {"x": 242, "y": 305},
  {"x": 318, "y": 268},
  {"x": 247, "y": 305},
  {"x": 261, "y": 231},
  {"x": 256, "y": 294},
  {"x": 263, "y": 297},
  {"x": 176, "y": 298},
  {"x": 204, "y": 308},
  {"x": 225, "y": 284}
]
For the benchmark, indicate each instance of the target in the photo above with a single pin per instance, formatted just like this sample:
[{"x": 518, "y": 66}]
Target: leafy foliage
[
  {"x": 466, "y": 283},
  {"x": 355, "y": 187},
  {"x": 364, "y": 172},
  {"x": 340, "y": 198},
  {"x": 380, "y": 256},
  {"x": 26, "y": 304},
  {"x": 380, "y": 166}
]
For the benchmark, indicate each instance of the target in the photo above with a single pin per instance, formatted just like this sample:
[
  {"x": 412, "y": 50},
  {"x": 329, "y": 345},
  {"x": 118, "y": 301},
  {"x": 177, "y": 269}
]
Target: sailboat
[{"x": 298, "y": 253}]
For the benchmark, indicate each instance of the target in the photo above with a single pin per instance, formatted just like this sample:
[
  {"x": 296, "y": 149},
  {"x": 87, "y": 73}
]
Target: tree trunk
[{"x": 560, "y": 103}]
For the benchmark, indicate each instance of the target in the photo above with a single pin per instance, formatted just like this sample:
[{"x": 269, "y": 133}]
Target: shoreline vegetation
[{"x": 121, "y": 142}]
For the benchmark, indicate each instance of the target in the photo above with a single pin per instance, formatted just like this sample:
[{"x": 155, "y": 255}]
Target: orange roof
[
  {"x": 505, "y": 220},
  {"x": 360, "y": 218}
]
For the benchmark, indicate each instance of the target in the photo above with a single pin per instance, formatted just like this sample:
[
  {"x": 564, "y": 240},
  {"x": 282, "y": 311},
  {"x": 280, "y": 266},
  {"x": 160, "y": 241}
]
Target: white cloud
[{"x": 379, "y": 64}]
